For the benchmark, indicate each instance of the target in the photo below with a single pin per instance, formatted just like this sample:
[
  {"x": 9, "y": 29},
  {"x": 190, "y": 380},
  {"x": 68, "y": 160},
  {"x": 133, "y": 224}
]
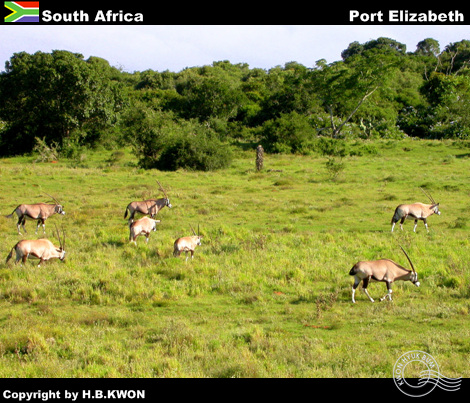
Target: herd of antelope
[
  {"x": 44, "y": 249},
  {"x": 382, "y": 270},
  {"x": 386, "y": 270}
]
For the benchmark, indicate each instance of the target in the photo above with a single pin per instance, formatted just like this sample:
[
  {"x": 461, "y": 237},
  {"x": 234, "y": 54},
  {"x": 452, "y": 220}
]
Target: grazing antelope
[
  {"x": 148, "y": 207},
  {"x": 187, "y": 244},
  {"x": 143, "y": 226},
  {"x": 415, "y": 211},
  {"x": 39, "y": 211},
  {"x": 384, "y": 270},
  {"x": 41, "y": 249}
]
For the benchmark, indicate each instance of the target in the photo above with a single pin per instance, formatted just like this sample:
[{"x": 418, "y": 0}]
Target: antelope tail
[
  {"x": 353, "y": 271},
  {"x": 396, "y": 216},
  {"x": 10, "y": 254},
  {"x": 125, "y": 213}
]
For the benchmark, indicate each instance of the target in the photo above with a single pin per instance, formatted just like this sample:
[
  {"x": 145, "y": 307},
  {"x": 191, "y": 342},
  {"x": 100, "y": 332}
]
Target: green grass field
[{"x": 268, "y": 293}]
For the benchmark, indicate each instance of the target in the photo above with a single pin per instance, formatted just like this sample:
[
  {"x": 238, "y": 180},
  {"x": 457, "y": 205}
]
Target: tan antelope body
[
  {"x": 41, "y": 249},
  {"x": 415, "y": 211},
  {"x": 187, "y": 244},
  {"x": 39, "y": 211},
  {"x": 384, "y": 270},
  {"x": 147, "y": 207},
  {"x": 142, "y": 226}
]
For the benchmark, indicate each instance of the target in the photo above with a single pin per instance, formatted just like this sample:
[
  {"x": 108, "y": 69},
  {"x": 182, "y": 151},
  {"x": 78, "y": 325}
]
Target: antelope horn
[
  {"x": 161, "y": 188},
  {"x": 428, "y": 195},
  {"x": 58, "y": 236},
  {"x": 194, "y": 232},
  {"x": 53, "y": 198},
  {"x": 409, "y": 260},
  {"x": 198, "y": 229}
]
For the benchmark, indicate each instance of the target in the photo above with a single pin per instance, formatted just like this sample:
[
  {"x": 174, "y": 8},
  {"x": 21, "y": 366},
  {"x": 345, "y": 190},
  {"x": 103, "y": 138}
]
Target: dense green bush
[
  {"x": 201, "y": 152},
  {"x": 290, "y": 133},
  {"x": 377, "y": 91},
  {"x": 161, "y": 140}
]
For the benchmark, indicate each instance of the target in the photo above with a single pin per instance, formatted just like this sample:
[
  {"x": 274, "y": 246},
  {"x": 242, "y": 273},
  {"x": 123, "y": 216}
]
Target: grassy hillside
[{"x": 268, "y": 293}]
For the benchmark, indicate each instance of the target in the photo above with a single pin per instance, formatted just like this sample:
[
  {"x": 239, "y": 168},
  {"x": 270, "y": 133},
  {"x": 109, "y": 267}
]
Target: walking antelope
[
  {"x": 187, "y": 244},
  {"x": 41, "y": 249},
  {"x": 384, "y": 270},
  {"x": 148, "y": 207},
  {"x": 143, "y": 226},
  {"x": 39, "y": 211},
  {"x": 415, "y": 211}
]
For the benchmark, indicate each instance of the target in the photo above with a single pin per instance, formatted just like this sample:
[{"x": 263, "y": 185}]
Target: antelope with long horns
[
  {"x": 39, "y": 211},
  {"x": 415, "y": 211},
  {"x": 384, "y": 270},
  {"x": 142, "y": 226},
  {"x": 187, "y": 244},
  {"x": 147, "y": 207},
  {"x": 41, "y": 249}
]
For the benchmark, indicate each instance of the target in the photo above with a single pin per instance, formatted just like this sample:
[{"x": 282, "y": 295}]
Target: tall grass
[{"x": 267, "y": 294}]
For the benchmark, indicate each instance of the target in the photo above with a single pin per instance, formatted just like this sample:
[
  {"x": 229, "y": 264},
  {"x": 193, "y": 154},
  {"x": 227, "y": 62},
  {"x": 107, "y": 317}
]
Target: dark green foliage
[
  {"x": 290, "y": 133},
  {"x": 378, "y": 90},
  {"x": 331, "y": 147},
  {"x": 202, "y": 152},
  {"x": 50, "y": 95},
  {"x": 161, "y": 140}
]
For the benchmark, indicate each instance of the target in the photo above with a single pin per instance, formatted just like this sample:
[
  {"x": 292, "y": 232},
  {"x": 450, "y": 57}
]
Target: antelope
[
  {"x": 143, "y": 226},
  {"x": 384, "y": 270},
  {"x": 41, "y": 249},
  {"x": 187, "y": 244},
  {"x": 416, "y": 211},
  {"x": 39, "y": 211},
  {"x": 148, "y": 207}
]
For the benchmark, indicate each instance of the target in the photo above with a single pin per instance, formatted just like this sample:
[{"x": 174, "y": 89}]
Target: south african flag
[{"x": 22, "y": 11}]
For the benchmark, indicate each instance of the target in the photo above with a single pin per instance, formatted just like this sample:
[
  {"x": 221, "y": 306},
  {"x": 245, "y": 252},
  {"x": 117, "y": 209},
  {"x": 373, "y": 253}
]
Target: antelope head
[
  {"x": 435, "y": 206},
  {"x": 413, "y": 274},
  {"x": 58, "y": 207},
  {"x": 167, "y": 199},
  {"x": 61, "y": 243},
  {"x": 199, "y": 237}
]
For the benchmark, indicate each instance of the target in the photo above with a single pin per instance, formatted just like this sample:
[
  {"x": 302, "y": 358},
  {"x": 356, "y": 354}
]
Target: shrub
[
  {"x": 290, "y": 133},
  {"x": 331, "y": 147},
  {"x": 200, "y": 152},
  {"x": 162, "y": 141},
  {"x": 46, "y": 153},
  {"x": 334, "y": 167}
]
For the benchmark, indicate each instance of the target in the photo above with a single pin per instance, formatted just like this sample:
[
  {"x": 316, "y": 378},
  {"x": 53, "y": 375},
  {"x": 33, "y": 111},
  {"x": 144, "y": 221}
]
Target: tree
[
  {"x": 292, "y": 90},
  {"x": 344, "y": 86},
  {"x": 49, "y": 95},
  {"x": 428, "y": 47},
  {"x": 381, "y": 44},
  {"x": 449, "y": 98},
  {"x": 210, "y": 92},
  {"x": 456, "y": 56}
]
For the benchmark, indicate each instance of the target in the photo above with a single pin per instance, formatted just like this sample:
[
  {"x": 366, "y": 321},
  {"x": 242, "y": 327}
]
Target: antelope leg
[
  {"x": 367, "y": 293},
  {"x": 365, "y": 283},
  {"x": 389, "y": 294}
]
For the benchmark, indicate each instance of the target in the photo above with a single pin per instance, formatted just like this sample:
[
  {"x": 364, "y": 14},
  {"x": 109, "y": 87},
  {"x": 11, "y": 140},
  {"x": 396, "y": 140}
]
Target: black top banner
[{"x": 46, "y": 12}]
